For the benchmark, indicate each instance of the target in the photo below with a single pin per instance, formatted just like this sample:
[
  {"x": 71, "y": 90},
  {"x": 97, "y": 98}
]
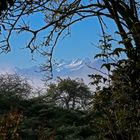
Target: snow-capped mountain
[{"x": 77, "y": 68}]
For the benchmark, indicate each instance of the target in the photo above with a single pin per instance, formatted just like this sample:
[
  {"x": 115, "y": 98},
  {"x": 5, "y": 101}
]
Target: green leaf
[
  {"x": 107, "y": 66},
  {"x": 100, "y": 55},
  {"x": 117, "y": 51}
]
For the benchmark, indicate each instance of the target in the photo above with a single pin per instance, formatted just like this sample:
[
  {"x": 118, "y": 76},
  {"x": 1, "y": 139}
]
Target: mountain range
[{"x": 76, "y": 68}]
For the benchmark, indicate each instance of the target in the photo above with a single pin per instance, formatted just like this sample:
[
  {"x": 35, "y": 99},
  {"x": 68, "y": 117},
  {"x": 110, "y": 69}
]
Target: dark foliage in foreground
[
  {"x": 39, "y": 117},
  {"x": 113, "y": 112},
  {"x": 65, "y": 114}
]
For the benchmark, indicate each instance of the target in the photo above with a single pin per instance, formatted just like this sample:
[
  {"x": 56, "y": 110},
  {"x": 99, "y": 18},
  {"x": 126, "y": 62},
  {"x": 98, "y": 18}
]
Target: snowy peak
[
  {"x": 74, "y": 63},
  {"x": 77, "y": 68}
]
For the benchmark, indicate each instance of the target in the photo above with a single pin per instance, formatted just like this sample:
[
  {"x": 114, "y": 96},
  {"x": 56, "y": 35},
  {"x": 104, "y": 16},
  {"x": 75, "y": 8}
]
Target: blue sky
[{"x": 78, "y": 45}]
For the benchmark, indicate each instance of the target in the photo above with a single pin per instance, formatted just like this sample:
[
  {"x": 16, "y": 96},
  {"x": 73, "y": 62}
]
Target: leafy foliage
[
  {"x": 4, "y": 4},
  {"x": 9, "y": 125},
  {"x": 69, "y": 94},
  {"x": 61, "y": 113},
  {"x": 39, "y": 118}
]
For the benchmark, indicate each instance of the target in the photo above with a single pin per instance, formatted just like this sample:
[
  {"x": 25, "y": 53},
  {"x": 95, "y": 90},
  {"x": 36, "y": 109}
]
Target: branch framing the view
[{"x": 57, "y": 16}]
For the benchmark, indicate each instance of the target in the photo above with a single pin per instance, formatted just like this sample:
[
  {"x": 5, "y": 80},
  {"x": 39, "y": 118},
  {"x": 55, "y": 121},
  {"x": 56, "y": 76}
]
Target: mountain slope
[{"x": 77, "y": 68}]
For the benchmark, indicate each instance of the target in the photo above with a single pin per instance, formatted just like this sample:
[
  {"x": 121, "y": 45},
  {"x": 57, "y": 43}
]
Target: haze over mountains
[{"x": 77, "y": 68}]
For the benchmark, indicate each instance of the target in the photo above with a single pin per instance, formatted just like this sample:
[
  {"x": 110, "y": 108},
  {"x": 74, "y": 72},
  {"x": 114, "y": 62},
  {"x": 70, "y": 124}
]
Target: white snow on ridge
[
  {"x": 74, "y": 69},
  {"x": 74, "y": 63}
]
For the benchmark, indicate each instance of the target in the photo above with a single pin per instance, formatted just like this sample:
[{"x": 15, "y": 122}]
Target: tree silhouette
[
  {"x": 57, "y": 17},
  {"x": 116, "y": 107},
  {"x": 4, "y": 4},
  {"x": 69, "y": 94}
]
